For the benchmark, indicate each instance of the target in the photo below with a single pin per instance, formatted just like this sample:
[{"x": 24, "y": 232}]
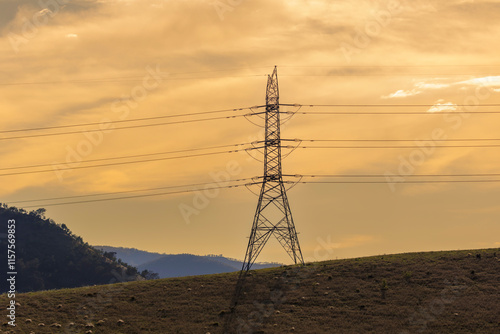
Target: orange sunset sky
[{"x": 108, "y": 64}]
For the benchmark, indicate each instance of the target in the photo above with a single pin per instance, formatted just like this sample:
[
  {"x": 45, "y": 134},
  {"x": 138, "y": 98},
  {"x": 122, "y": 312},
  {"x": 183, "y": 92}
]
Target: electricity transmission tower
[{"x": 273, "y": 215}]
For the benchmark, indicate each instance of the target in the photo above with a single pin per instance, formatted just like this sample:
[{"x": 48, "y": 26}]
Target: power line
[
  {"x": 245, "y": 108},
  {"x": 385, "y": 182},
  {"x": 389, "y": 147},
  {"x": 437, "y": 112},
  {"x": 387, "y": 105},
  {"x": 125, "y": 121},
  {"x": 166, "y": 77},
  {"x": 175, "y": 75},
  {"x": 383, "y": 74},
  {"x": 123, "y": 192},
  {"x": 245, "y": 184},
  {"x": 444, "y": 112},
  {"x": 382, "y": 70},
  {"x": 224, "y": 117},
  {"x": 201, "y": 149},
  {"x": 128, "y": 156},
  {"x": 383, "y": 176},
  {"x": 253, "y": 183},
  {"x": 135, "y": 196},
  {"x": 387, "y": 66},
  {"x": 128, "y": 162},
  {"x": 129, "y": 127},
  {"x": 390, "y": 140}
]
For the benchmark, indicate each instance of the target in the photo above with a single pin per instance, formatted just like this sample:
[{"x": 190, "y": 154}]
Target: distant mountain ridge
[
  {"x": 179, "y": 265},
  {"x": 135, "y": 257}
]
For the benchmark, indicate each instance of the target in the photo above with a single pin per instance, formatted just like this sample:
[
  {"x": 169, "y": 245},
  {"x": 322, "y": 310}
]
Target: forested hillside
[{"x": 49, "y": 256}]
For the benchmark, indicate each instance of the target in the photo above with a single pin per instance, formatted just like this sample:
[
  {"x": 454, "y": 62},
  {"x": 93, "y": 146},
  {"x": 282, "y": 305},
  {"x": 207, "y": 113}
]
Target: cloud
[
  {"x": 490, "y": 81},
  {"x": 44, "y": 11},
  {"x": 421, "y": 87},
  {"x": 25, "y": 9},
  {"x": 402, "y": 93},
  {"x": 429, "y": 85},
  {"x": 440, "y": 106}
]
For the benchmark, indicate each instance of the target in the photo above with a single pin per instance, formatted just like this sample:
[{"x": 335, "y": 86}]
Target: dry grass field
[{"x": 431, "y": 292}]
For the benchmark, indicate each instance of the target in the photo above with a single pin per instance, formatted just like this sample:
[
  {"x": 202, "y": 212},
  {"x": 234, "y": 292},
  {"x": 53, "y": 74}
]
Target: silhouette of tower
[{"x": 273, "y": 215}]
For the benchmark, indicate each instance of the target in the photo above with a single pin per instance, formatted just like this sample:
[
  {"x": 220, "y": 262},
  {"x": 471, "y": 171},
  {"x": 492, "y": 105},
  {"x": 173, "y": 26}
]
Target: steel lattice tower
[{"x": 273, "y": 215}]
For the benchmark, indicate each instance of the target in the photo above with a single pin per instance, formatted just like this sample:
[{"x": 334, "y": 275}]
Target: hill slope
[
  {"x": 179, "y": 265},
  {"x": 436, "y": 292},
  {"x": 49, "y": 256}
]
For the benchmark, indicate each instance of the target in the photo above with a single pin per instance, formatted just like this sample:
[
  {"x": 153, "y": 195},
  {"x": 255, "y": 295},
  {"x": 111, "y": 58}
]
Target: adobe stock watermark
[
  {"x": 122, "y": 107},
  {"x": 454, "y": 120},
  {"x": 285, "y": 285},
  {"x": 221, "y": 7},
  {"x": 97, "y": 302},
  {"x": 202, "y": 197},
  {"x": 380, "y": 19},
  {"x": 30, "y": 27},
  {"x": 324, "y": 250},
  {"x": 429, "y": 312},
  {"x": 159, "y": 3}
]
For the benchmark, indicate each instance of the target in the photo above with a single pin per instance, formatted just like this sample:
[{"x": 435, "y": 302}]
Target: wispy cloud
[
  {"x": 421, "y": 87},
  {"x": 490, "y": 81},
  {"x": 402, "y": 93},
  {"x": 431, "y": 85},
  {"x": 443, "y": 106}
]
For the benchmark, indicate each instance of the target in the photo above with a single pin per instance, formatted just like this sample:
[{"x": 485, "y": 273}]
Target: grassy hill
[{"x": 432, "y": 292}]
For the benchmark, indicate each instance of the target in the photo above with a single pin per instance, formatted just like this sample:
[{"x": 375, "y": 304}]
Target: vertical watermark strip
[{"x": 11, "y": 271}]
